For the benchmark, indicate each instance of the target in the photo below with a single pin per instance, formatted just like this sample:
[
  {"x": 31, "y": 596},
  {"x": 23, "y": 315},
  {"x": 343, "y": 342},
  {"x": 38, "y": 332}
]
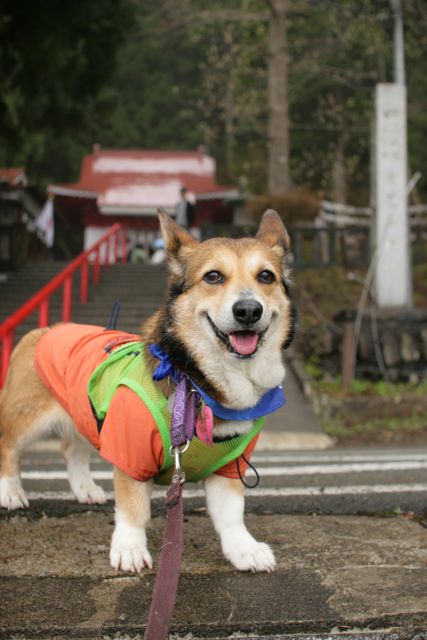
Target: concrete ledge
[
  {"x": 293, "y": 441},
  {"x": 47, "y": 444},
  {"x": 268, "y": 441}
]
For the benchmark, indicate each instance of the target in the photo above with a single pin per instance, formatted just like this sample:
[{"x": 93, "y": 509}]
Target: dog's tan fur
[
  {"x": 23, "y": 401},
  {"x": 28, "y": 411}
]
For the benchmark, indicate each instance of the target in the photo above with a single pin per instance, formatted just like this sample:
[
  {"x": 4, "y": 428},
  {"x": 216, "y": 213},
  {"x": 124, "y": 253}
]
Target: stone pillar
[{"x": 393, "y": 279}]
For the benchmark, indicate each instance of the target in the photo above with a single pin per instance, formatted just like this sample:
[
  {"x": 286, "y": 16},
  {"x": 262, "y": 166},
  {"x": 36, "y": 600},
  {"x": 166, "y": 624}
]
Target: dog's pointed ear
[
  {"x": 272, "y": 231},
  {"x": 176, "y": 240}
]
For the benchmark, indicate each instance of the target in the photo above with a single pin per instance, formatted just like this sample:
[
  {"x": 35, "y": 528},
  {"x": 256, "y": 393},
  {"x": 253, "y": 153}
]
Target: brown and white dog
[{"x": 226, "y": 319}]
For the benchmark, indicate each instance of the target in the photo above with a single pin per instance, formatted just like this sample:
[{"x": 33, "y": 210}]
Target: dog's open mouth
[{"x": 242, "y": 343}]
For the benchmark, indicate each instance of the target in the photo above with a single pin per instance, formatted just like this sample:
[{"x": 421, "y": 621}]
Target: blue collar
[{"x": 270, "y": 401}]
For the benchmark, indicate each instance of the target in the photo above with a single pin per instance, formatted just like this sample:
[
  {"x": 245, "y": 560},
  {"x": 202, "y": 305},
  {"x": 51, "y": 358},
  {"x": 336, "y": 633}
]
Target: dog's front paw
[
  {"x": 128, "y": 550},
  {"x": 12, "y": 495},
  {"x": 89, "y": 493},
  {"x": 255, "y": 556},
  {"x": 130, "y": 558}
]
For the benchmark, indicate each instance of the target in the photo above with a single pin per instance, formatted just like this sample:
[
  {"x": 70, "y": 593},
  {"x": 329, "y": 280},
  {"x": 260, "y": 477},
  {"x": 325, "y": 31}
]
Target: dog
[{"x": 227, "y": 317}]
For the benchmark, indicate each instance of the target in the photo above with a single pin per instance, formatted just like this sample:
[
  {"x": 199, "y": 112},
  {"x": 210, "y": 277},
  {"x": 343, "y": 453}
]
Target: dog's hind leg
[
  {"x": 26, "y": 410},
  {"x": 76, "y": 452},
  {"x": 12, "y": 494},
  {"x": 46, "y": 418},
  {"x": 225, "y": 501},
  {"x": 129, "y": 542}
]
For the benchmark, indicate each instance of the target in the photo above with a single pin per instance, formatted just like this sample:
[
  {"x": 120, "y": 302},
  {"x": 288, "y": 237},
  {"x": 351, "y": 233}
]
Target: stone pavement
[{"x": 334, "y": 574}]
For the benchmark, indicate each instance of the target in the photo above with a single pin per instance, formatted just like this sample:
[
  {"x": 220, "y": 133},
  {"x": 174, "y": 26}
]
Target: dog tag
[{"x": 204, "y": 425}]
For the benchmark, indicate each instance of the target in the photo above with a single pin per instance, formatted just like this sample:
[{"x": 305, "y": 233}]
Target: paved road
[{"x": 337, "y": 481}]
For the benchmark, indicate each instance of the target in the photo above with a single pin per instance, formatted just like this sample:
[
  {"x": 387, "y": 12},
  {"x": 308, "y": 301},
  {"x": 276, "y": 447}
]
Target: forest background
[{"x": 161, "y": 74}]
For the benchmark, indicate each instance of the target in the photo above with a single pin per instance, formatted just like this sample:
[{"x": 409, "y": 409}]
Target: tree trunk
[
  {"x": 278, "y": 123},
  {"x": 339, "y": 178},
  {"x": 229, "y": 126}
]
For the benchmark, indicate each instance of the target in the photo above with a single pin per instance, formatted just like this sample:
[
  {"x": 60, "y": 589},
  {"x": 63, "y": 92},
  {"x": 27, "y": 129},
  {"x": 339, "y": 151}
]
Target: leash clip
[{"x": 179, "y": 473}]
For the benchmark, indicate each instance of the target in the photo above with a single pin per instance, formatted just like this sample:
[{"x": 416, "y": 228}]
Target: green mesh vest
[{"x": 126, "y": 366}]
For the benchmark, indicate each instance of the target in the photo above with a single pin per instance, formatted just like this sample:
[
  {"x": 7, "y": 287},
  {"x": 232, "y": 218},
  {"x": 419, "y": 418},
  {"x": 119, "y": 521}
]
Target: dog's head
[{"x": 228, "y": 300}]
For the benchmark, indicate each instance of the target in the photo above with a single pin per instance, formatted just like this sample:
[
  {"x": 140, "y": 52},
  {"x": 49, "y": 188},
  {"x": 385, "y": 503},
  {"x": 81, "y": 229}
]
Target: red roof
[
  {"x": 13, "y": 177},
  {"x": 141, "y": 181}
]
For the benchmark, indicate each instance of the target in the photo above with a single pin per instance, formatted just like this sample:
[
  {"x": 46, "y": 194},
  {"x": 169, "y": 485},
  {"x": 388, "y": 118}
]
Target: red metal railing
[{"x": 41, "y": 300}]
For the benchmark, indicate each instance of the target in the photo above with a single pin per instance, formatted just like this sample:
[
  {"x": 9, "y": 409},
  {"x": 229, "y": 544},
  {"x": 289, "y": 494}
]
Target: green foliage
[
  {"x": 420, "y": 284},
  {"x": 233, "y": 98},
  {"x": 150, "y": 101},
  {"x": 313, "y": 369},
  {"x": 323, "y": 292},
  {"x": 338, "y": 55},
  {"x": 381, "y": 389},
  {"x": 383, "y": 427},
  {"x": 416, "y": 55},
  {"x": 53, "y": 57},
  {"x": 166, "y": 74}
]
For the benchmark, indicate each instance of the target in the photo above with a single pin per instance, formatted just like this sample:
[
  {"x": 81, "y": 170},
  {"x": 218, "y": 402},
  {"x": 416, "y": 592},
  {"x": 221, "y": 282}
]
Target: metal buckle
[{"x": 179, "y": 473}]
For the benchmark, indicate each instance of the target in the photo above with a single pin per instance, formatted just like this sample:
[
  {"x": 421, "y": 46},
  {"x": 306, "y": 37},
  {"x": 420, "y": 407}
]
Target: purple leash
[
  {"x": 166, "y": 584},
  {"x": 183, "y": 414}
]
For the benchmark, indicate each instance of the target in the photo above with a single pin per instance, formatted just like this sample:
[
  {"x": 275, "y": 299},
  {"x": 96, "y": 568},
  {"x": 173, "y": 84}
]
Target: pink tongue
[{"x": 244, "y": 342}]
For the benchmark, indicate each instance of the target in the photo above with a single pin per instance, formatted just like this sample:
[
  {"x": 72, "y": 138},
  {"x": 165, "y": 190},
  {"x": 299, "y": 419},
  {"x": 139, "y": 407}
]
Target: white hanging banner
[{"x": 45, "y": 223}]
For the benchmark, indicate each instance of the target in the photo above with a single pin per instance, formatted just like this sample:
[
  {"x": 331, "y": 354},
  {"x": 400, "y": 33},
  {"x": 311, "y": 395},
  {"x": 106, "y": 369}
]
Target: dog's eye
[
  {"x": 213, "y": 277},
  {"x": 266, "y": 277}
]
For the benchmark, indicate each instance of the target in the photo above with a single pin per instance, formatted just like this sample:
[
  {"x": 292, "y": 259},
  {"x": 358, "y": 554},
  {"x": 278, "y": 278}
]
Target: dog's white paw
[
  {"x": 128, "y": 550},
  {"x": 130, "y": 558},
  {"x": 12, "y": 495},
  {"x": 256, "y": 556},
  {"x": 89, "y": 493}
]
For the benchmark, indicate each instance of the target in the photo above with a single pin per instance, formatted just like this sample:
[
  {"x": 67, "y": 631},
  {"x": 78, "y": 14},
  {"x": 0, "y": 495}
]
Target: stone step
[
  {"x": 139, "y": 288},
  {"x": 335, "y": 574}
]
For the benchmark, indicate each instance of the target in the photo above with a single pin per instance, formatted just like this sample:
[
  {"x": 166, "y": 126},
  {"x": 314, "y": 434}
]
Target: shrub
[{"x": 297, "y": 205}]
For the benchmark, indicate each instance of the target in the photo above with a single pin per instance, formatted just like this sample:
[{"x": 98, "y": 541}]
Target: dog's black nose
[{"x": 247, "y": 311}]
